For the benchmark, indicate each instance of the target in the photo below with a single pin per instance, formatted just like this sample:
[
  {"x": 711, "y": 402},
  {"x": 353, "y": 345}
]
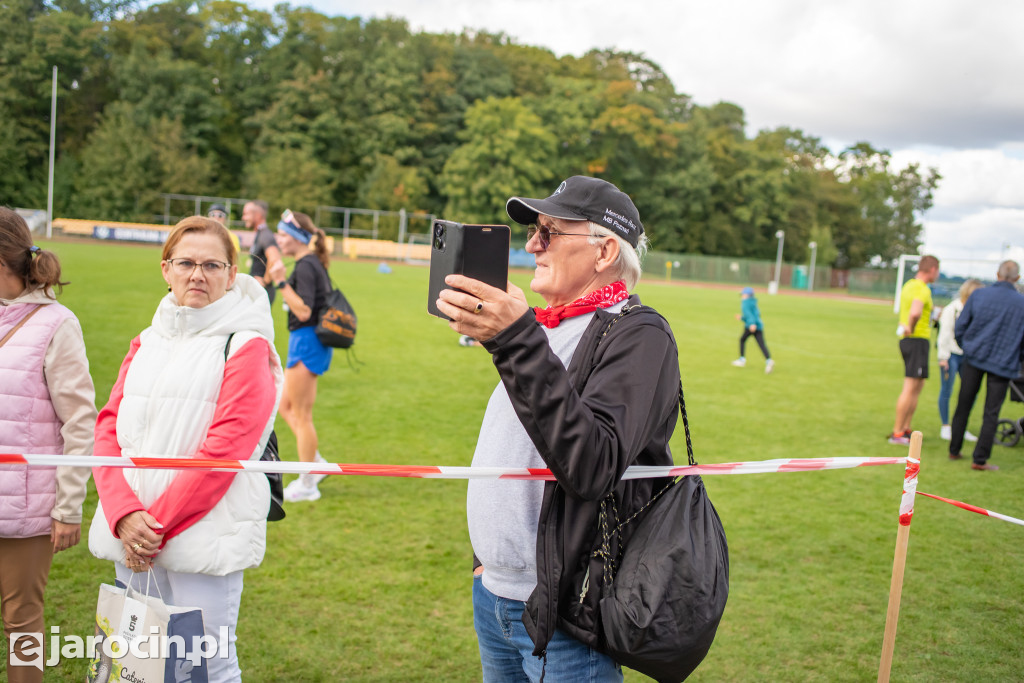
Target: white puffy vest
[{"x": 170, "y": 395}]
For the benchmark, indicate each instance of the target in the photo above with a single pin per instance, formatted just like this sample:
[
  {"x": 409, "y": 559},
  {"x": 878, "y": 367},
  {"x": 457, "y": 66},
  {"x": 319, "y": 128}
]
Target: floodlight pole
[
  {"x": 814, "y": 254},
  {"x": 53, "y": 138},
  {"x": 773, "y": 287}
]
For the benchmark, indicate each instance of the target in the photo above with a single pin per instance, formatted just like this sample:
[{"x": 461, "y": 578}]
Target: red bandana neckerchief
[{"x": 609, "y": 295}]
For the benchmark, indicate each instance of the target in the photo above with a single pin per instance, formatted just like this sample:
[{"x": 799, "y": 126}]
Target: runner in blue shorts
[
  {"x": 305, "y": 292},
  {"x": 304, "y": 347}
]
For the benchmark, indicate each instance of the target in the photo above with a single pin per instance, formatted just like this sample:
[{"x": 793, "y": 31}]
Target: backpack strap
[
  {"x": 21, "y": 322},
  {"x": 227, "y": 346},
  {"x": 608, "y": 517},
  {"x": 682, "y": 400}
]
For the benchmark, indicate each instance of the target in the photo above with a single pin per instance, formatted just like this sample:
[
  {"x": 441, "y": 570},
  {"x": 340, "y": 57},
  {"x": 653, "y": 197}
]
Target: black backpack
[
  {"x": 337, "y": 321},
  {"x": 664, "y": 591}
]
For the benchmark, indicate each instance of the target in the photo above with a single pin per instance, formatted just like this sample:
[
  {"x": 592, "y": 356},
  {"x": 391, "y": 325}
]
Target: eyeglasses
[
  {"x": 184, "y": 266},
  {"x": 546, "y": 233},
  {"x": 216, "y": 214}
]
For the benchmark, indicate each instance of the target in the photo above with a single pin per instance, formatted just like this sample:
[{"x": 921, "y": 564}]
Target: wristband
[{"x": 282, "y": 284}]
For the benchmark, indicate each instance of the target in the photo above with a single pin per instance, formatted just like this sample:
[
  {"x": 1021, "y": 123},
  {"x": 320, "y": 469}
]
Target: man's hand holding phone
[{"x": 479, "y": 310}]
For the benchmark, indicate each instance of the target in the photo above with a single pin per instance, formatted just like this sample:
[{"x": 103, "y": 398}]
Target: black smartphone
[{"x": 476, "y": 251}]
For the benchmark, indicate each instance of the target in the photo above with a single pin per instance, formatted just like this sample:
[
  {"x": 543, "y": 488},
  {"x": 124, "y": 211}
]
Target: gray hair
[
  {"x": 1009, "y": 271},
  {"x": 627, "y": 266}
]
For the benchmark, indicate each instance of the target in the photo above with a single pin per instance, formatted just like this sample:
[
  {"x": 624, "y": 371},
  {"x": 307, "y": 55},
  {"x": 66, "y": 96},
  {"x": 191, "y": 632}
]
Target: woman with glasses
[
  {"x": 202, "y": 381},
  {"x": 47, "y": 405},
  {"x": 305, "y": 293}
]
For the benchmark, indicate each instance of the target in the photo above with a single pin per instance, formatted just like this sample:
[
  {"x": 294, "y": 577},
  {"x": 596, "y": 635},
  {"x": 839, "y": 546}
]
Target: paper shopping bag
[{"x": 142, "y": 640}]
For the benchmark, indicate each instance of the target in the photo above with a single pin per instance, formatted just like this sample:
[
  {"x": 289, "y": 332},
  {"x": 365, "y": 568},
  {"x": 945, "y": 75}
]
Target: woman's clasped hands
[{"x": 140, "y": 538}]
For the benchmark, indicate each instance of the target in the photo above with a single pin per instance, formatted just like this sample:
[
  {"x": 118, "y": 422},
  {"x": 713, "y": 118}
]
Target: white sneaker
[
  {"x": 740, "y": 362},
  {"x": 768, "y": 365},
  {"x": 969, "y": 437},
  {"x": 296, "y": 492},
  {"x": 946, "y": 432},
  {"x": 317, "y": 478}
]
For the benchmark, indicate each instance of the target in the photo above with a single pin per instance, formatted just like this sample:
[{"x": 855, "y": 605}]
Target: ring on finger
[{"x": 479, "y": 307}]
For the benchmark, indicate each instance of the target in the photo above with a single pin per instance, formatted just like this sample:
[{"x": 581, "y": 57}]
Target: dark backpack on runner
[{"x": 337, "y": 321}]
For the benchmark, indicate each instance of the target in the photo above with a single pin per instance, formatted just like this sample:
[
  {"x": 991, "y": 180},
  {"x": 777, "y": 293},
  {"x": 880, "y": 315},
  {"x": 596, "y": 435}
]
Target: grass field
[{"x": 372, "y": 582}]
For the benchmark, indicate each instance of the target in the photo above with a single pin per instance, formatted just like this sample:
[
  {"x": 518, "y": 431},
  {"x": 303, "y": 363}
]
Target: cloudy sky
[{"x": 938, "y": 82}]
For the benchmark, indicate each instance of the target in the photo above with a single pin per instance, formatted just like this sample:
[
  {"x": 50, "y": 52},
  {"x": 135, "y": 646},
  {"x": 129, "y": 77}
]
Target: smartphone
[{"x": 476, "y": 251}]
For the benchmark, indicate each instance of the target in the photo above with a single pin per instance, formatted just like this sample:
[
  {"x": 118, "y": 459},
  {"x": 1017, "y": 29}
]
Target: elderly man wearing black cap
[{"x": 589, "y": 386}]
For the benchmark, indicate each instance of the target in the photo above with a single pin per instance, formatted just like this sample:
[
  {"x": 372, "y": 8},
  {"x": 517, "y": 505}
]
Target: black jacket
[{"x": 615, "y": 406}]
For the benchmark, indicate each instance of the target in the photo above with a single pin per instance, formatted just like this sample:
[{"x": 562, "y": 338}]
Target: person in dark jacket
[
  {"x": 264, "y": 252},
  {"x": 990, "y": 330},
  {"x": 579, "y": 395}
]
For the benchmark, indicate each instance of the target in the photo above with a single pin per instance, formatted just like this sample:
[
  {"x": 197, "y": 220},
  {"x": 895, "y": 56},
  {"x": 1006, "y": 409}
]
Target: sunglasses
[{"x": 544, "y": 233}]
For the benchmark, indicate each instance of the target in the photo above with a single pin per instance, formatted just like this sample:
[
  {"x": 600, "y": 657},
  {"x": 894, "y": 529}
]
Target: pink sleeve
[
  {"x": 117, "y": 497},
  {"x": 244, "y": 405}
]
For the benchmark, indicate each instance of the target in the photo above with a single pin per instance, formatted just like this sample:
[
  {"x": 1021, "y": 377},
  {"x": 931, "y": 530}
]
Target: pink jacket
[{"x": 29, "y": 422}]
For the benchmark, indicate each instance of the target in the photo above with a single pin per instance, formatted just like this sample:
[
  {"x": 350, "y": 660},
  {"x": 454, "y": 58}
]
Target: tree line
[{"x": 301, "y": 109}]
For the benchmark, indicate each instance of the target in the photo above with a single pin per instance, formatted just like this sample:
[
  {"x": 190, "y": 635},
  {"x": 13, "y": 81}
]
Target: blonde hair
[{"x": 968, "y": 287}]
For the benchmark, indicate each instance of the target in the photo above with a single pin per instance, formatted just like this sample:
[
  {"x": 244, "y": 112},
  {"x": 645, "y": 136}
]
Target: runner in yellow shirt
[{"x": 915, "y": 337}]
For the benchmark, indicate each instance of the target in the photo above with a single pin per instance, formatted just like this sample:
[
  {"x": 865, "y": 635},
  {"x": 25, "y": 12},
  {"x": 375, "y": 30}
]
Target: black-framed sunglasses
[
  {"x": 184, "y": 266},
  {"x": 545, "y": 234}
]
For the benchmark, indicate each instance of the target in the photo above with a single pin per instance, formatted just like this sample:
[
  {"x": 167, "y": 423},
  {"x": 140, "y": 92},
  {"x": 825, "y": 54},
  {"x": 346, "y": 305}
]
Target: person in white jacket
[
  {"x": 47, "y": 405},
  {"x": 203, "y": 381},
  {"x": 950, "y": 355}
]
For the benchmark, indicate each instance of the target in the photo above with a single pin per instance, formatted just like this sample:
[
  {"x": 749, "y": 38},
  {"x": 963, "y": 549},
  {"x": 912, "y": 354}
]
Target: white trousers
[{"x": 218, "y": 596}]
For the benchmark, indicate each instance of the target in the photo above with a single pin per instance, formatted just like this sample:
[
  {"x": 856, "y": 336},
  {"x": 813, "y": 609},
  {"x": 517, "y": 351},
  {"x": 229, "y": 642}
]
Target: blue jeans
[
  {"x": 506, "y": 651},
  {"x": 946, "y": 388}
]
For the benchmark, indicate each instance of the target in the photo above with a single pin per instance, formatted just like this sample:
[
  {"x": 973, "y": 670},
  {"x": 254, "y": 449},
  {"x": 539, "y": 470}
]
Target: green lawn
[{"x": 372, "y": 582}]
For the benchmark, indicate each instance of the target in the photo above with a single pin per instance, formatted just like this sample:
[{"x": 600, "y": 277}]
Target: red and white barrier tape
[
  {"x": 444, "y": 472},
  {"x": 974, "y": 508},
  {"x": 435, "y": 472},
  {"x": 909, "y": 488}
]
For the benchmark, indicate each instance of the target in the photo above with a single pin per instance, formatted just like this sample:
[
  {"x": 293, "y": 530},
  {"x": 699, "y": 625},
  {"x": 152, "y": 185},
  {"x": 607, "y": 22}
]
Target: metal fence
[
  {"x": 405, "y": 227},
  {"x": 741, "y": 272},
  {"x": 334, "y": 220},
  {"x": 375, "y": 224},
  {"x": 178, "y": 206}
]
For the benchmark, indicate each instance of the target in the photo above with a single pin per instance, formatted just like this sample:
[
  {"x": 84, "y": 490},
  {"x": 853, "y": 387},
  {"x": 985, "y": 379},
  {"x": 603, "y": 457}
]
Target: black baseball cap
[
  {"x": 217, "y": 207},
  {"x": 581, "y": 198}
]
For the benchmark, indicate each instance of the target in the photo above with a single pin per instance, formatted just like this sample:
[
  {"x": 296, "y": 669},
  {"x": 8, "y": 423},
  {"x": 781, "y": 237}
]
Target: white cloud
[
  {"x": 972, "y": 177},
  {"x": 974, "y": 243}
]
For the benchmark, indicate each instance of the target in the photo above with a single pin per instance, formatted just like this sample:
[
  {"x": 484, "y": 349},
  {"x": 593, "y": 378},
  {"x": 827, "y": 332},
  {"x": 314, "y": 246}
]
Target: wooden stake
[{"x": 899, "y": 562}]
